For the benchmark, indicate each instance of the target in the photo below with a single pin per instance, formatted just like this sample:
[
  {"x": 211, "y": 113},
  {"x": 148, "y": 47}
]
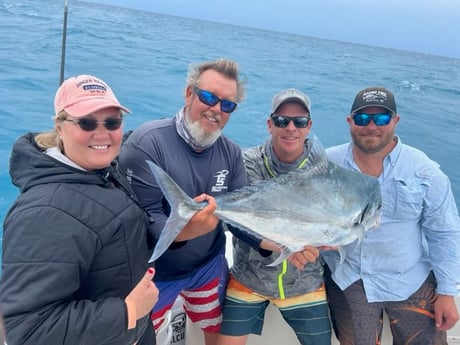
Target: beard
[
  {"x": 199, "y": 135},
  {"x": 371, "y": 146}
]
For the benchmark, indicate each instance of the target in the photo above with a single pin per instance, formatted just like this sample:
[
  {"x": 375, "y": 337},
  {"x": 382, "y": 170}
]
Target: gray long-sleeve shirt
[{"x": 249, "y": 266}]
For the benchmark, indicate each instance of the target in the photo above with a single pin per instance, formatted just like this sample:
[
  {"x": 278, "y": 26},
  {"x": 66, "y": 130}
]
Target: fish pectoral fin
[
  {"x": 342, "y": 253},
  {"x": 285, "y": 252}
]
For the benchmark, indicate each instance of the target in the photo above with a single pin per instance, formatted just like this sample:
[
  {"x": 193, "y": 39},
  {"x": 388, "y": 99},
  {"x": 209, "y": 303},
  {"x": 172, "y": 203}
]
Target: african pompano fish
[{"x": 320, "y": 204}]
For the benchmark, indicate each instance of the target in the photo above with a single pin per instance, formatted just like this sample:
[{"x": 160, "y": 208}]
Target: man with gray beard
[{"x": 190, "y": 147}]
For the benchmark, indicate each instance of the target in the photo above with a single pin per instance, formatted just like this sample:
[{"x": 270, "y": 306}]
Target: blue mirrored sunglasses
[
  {"x": 283, "y": 121},
  {"x": 88, "y": 125},
  {"x": 211, "y": 100},
  {"x": 381, "y": 119}
]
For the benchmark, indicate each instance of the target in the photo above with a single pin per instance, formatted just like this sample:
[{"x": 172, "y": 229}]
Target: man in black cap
[{"x": 409, "y": 266}]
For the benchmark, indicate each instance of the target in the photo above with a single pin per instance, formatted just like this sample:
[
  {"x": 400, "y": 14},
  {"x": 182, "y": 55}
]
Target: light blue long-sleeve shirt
[{"x": 419, "y": 230}]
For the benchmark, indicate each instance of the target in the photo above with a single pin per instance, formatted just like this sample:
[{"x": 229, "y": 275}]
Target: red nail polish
[{"x": 150, "y": 270}]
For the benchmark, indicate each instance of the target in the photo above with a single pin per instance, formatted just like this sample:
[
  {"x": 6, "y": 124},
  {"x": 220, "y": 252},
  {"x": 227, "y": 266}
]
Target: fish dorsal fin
[{"x": 317, "y": 158}]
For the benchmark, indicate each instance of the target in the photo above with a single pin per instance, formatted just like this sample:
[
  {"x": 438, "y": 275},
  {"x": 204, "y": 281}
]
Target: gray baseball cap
[{"x": 290, "y": 95}]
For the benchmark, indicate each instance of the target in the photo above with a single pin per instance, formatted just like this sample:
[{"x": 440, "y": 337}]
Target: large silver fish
[{"x": 321, "y": 204}]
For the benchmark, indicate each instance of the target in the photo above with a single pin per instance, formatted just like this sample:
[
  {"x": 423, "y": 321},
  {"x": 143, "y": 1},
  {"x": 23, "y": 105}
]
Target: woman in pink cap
[{"x": 75, "y": 246}]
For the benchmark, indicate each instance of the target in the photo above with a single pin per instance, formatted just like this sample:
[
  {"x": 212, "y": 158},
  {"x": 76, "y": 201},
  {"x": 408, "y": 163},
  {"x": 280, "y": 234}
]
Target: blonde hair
[{"x": 51, "y": 138}]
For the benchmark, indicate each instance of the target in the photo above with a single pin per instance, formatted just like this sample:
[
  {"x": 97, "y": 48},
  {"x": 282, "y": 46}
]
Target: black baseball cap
[{"x": 374, "y": 96}]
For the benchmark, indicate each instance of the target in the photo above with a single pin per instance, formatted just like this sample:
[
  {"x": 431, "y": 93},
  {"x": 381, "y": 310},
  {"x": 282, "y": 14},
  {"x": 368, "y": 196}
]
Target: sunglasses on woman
[
  {"x": 283, "y": 121},
  {"x": 363, "y": 119},
  {"x": 211, "y": 100},
  {"x": 88, "y": 125}
]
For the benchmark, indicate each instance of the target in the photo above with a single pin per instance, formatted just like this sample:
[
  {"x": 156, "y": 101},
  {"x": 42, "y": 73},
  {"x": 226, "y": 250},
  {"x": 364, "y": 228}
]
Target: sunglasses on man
[
  {"x": 211, "y": 100},
  {"x": 363, "y": 119},
  {"x": 283, "y": 121}
]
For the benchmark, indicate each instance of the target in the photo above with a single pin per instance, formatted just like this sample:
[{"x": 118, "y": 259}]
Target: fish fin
[
  {"x": 317, "y": 154},
  {"x": 360, "y": 233},
  {"x": 342, "y": 253},
  {"x": 285, "y": 252},
  {"x": 171, "y": 229},
  {"x": 176, "y": 221},
  {"x": 316, "y": 163}
]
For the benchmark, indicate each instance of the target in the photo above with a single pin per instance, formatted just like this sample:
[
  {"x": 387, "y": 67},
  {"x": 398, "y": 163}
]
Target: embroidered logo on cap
[{"x": 375, "y": 96}]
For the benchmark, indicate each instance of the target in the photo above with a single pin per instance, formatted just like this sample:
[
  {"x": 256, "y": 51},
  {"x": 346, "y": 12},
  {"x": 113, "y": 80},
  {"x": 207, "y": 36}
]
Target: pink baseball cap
[{"x": 85, "y": 94}]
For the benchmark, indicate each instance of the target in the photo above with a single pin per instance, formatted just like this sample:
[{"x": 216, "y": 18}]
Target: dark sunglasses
[
  {"x": 88, "y": 125},
  {"x": 211, "y": 99},
  {"x": 283, "y": 121},
  {"x": 363, "y": 119}
]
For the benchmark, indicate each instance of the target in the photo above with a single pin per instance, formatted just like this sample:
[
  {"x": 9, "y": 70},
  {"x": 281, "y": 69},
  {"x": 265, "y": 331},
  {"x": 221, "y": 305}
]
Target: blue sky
[{"x": 426, "y": 26}]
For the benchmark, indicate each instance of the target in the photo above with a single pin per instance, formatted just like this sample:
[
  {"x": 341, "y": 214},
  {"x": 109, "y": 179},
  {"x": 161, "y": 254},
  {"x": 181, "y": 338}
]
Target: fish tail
[{"x": 176, "y": 221}]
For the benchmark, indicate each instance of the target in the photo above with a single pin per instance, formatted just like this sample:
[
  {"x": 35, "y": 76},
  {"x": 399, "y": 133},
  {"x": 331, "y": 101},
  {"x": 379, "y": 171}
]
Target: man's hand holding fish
[{"x": 202, "y": 222}]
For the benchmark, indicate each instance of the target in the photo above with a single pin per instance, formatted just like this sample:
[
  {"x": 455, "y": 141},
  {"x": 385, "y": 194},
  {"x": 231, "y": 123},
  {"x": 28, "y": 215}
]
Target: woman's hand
[{"x": 142, "y": 298}]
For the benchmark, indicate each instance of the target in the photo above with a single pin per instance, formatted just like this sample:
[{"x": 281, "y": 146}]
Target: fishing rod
[{"x": 64, "y": 36}]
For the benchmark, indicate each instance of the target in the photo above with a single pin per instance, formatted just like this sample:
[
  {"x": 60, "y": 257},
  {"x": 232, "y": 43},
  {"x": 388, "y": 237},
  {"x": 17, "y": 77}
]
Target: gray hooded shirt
[{"x": 249, "y": 266}]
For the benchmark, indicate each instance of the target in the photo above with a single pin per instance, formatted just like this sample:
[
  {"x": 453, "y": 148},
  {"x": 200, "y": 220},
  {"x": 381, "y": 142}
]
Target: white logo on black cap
[{"x": 375, "y": 96}]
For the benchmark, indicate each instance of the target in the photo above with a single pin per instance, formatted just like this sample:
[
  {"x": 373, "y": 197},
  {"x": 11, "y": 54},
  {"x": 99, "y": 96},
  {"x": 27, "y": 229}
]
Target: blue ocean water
[{"x": 145, "y": 56}]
